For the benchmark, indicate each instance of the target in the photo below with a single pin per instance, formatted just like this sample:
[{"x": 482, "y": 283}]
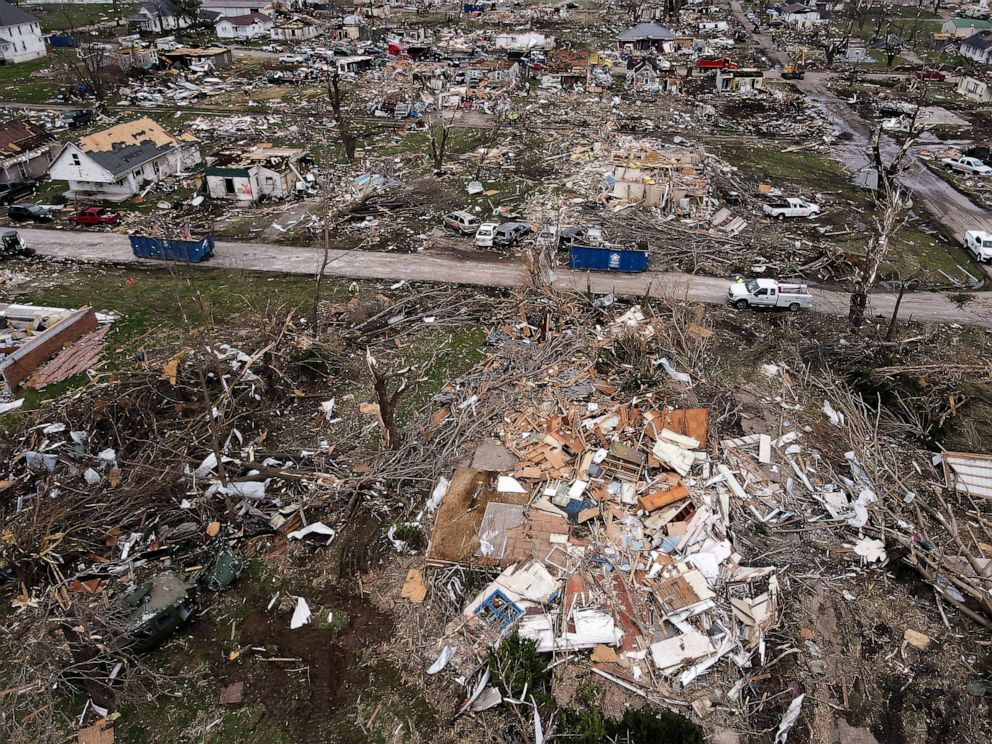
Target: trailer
[
  {"x": 587, "y": 258},
  {"x": 172, "y": 249}
]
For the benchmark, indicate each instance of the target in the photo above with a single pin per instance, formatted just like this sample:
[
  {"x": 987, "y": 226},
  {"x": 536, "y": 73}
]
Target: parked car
[
  {"x": 78, "y": 118},
  {"x": 768, "y": 293},
  {"x": 591, "y": 236},
  {"x": 484, "y": 235},
  {"x": 715, "y": 63},
  {"x": 510, "y": 233},
  {"x": 10, "y": 191},
  {"x": 463, "y": 222},
  {"x": 791, "y": 207},
  {"x": 29, "y": 212},
  {"x": 969, "y": 166},
  {"x": 292, "y": 59},
  {"x": 979, "y": 244},
  {"x": 12, "y": 244},
  {"x": 273, "y": 48},
  {"x": 96, "y": 216},
  {"x": 930, "y": 74}
]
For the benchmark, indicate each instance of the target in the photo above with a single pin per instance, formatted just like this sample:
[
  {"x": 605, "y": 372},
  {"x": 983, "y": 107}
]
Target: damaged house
[
  {"x": 118, "y": 163},
  {"x": 251, "y": 26},
  {"x": 260, "y": 173},
  {"x": 26, "y": 151},
  {"x": 156, "y": 16}
]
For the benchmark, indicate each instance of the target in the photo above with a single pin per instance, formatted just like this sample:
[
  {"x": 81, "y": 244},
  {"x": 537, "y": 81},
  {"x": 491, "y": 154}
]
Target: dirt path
[{"x": 112, "y": 247}]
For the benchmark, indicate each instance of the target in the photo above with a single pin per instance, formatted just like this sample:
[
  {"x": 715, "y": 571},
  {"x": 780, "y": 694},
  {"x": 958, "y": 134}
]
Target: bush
[
  {"x": 654, "y": 726},
  {"x": 515, "y": 664}
]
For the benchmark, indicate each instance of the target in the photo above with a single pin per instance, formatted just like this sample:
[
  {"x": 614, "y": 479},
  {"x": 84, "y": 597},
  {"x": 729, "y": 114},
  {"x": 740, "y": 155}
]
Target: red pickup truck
[
  {"x": 95, "y": 216},
  {"x": 715, "y": 63}
]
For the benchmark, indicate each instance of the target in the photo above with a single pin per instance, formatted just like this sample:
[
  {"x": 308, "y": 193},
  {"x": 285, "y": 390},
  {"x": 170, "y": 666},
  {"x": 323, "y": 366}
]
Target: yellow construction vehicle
[{"x": 796, "y": 69}]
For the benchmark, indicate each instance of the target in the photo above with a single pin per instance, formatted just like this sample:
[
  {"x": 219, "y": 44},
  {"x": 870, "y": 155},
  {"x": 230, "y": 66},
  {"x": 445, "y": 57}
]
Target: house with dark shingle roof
[
  {"x": 978, "y": 48},
  {"x": 118, "y": 163},
  {"x": 20, "y": 35},
  {"x": 644, "y": 36},
  {"x": 26, "y": 151}
]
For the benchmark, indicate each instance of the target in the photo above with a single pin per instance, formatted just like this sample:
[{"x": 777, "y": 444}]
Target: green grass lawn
[
  {"x": 19, "y": 82},
  {"x": 66, "y": 17}
]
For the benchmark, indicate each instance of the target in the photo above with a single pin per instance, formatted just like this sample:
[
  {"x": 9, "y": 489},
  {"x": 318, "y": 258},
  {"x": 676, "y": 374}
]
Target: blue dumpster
[
  {"x": 584, "y": 258},
  {"x": 62, "y": 41},
  {"x": 171, "y": 249}
]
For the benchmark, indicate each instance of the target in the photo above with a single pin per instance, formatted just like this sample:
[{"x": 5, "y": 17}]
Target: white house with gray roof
[
  {"x": 978, "y": 48},
  {"x": 235, "y": 7},
  {"x": 20, "y": 35},
  {"x": 118, "y": 163}
]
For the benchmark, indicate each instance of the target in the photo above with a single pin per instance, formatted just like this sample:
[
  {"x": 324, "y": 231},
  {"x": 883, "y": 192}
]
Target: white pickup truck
[
  {"x": 970, "y": 166},
  {"x": 979, "y": 244},
  {"x": 768, "y": 293},
  {"x": 791, "y": 207}
]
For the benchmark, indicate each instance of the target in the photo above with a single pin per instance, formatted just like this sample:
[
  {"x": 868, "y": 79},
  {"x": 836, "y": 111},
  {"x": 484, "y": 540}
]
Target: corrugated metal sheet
[{"x": 968, "y": 473}]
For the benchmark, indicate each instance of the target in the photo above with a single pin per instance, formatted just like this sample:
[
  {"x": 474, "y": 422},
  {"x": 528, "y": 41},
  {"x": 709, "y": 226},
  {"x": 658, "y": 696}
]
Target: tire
[
  {"x": 741, "y": 304},
  {"x": 780, "y": 216},
  {"x": 794, "y": 307}
]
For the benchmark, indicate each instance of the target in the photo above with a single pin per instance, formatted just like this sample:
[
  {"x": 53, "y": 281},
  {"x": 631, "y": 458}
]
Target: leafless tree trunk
[
  {"x": 91, "y": 67},
  {"x": 387, "y": 401},
  {"x": 888, "y": 218},
  {"x": 438, "y": 134},
  {"x": 336, "y": 96}
]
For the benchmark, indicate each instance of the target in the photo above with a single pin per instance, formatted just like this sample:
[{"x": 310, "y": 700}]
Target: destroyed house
[
  {"x": 293, "y": 31},
  {"x": 739, "y": 81},
  {"x": 260, "y": 173},
  {"x": 644, "y": 36},
  {"x": 668, "y": 178},
  {"x": 493, "y": 70},
  {"x": 565, "y": 68},
  {"x": 251, "y": 26},
  {"x": 975, "y": 90},
  {"x": 353, "y": 64},
  {"x": 216, "y": 58},
  {"x": 30, "y": 336},
  {"x": 26, "y": 151},
  {"x": 523, "y": 42},
  {"x": 118, "y": 163}
]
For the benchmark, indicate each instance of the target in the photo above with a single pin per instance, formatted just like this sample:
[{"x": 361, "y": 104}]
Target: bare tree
[
  {"x": 438, "y": 134},
  {"x": 834, "y": 45},
  {"x": 889, "y": 217},
  {"x": 673, "y": 8},
  {"x": 92, "y": 67},
  {"x": 337, "y": 95},
  {"x": 387, "y": 399}
]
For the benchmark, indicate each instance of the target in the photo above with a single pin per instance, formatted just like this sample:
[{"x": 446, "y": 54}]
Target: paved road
[
  {"x": 492, "y": 272},
  {"x": 953, "y": 210}
]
